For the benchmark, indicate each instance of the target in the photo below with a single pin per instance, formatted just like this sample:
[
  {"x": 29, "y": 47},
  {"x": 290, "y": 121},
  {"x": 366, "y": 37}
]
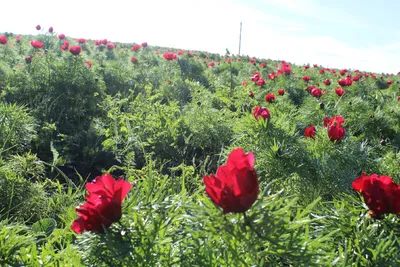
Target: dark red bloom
[
  {"x": 263, "y": 65},
  {"x": 110, "y": 46},
  {"x": 309, "y": 132},
  {"x": 340, "y": 91},
  {"x": 270, "y": 98},
  {"x": 36, "y": 44},
  {"x": 253, "y": 61},
  {"x": 75, "y": 50},
  {"x": 38, "y": 27},
  {"x": 380, "y": 194},
  {"x": 335, "y": 130},
  {"x": 251, "y": 94},
  {"x": 51, "y": 29},
  {"x": 256, "y": 76},
  {"x": 103, "y": 206},
  {"x": 211, "y": 64},
  {"x": 18, "y": 39},
  {"x": 144, "y": 44},
  {"x": 61, "y": 36},
  {"x": 135, "y": 47},
  {"x": 169, "y": 56},
  {"x": 316, "y": 92},
  {"x": 306, "y": 78},
  {"x": 345, "y": 82},
  {"x": 65, "y": 46},
  {"x": 310, "y": 88},
  {"x": 3, "y": 39},
  {"x": 356, "y": 78},
  {"x": 389, "y": 82},
  {"x": 104, "y": 41},
  {"x": 261, "y": 82},
  {"x": 235, "y": 186},
  {"x": 272, "y": 76},
  {"x": 133, "y": 60},
  {"x": 315, "y": 65},
  {"x": 179, "y": 52},
  {"x": 261, "y": 111},
  {"x": 322, "y": 71},
  {"x": 244, "y": 83},
  {"x": 89, "y": 64},
  {"x": 81, "y": 40},
  {"x": 327, "y": 82},
  {"x": 336, "y": 133},
  {"x": 281, "y": 91},
  {"x": 285, "y": 69},
  {"x": 306, "y": 67},
  {"x": 335, "y": 120}
]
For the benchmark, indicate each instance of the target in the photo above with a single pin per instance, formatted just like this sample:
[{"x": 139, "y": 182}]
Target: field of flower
[{"x": 115, "y": 154}]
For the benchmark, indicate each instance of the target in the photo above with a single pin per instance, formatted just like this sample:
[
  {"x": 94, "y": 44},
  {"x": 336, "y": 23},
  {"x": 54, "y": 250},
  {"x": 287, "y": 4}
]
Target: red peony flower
[
  {"x": 356, "y": 78},
  {"x": 339, "y": 91},
  {"x": 345, "y": 82},
  {"x": 38, "y": 27},
  {"x": 256, "y": 76},
  {"x": 51, "y": 30},
  {"x": 235, "y": 186},
  {"x": 3, "y": 39},
  {"x": 211, "y": 64},
  {"x": 36, "y": 44},
  {"x": 169, "y": 56},
  {"x": 261, "y": 82},
  {"x": 336, "y": 133},
  {"x": 104, "y": 41},
  {"x": 335, "y": 120},
  {"x": 389, "y": 82},
  {"x": 133, "y": 60},
  {"x": 381, "y": 194},
  {"x": 310, "y": 88},
  {"x": 285, "y": 69},
  {"x": 281, "y": 91},
  {"x": 315, "y": 65},
  {"x": 89, "y": 64},
  {"x": 252, "y": 60},
  {"x": 244, "y": 83},
  {"x": 306, "y": 78},
  {"x": 103, "y": 206},
  {"x": 272, "y": 76},
  {"x": 251, "y": 94},
  {"x": 135, "y": 47},
  {"x": 144, "y": 44},
  {"x": 322, "y": 71},
  {"x": 306, "y": 67},
  {"x": 261, "y": 111},
  {"x": 75, "y": 50},
  {"x": 327, "y": 82},
  {"x": 309, "y": 132},
  {"x": 270, "y": 98},
  {"x": 263, "y": 65},
  {"x": 110, "y": 46},
  {"x": 316, "y": 92},
  {"x": 81, "y": 40},
  {"x": 61, "y": 36},
  {"x": 335, "y": 130},
  {"x": 180, "y": 52}
]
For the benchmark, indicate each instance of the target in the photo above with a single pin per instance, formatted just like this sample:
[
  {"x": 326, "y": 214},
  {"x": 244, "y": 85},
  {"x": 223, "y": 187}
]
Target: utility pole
[{"x": 240, "y": 37}]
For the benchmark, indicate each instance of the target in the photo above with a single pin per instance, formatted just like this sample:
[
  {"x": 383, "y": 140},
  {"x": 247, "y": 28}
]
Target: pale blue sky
[{"x": 341, "y": 34}]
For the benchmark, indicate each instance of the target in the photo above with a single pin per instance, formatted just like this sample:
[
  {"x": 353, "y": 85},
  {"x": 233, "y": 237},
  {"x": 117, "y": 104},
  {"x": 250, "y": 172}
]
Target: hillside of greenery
[{"x": 188, "y": 158}]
